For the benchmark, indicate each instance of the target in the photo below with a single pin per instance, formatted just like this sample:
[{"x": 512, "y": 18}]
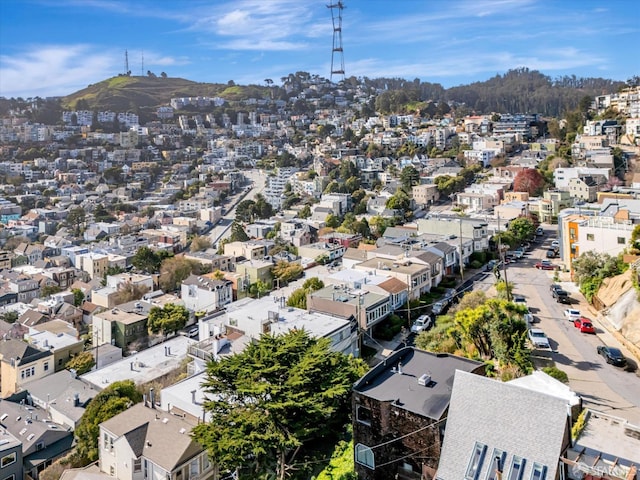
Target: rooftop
[
  {"x": 162, "y": 438},
  {"x": 607, "y": 439},
  {"x": 118, "y": 315},
  {"x": 144, "y": 366},
  {"x": 385, "y": 382},
  {"x": 248, "y": 315}
]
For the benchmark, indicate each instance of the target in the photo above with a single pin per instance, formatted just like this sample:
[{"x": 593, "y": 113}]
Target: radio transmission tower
[
  {"x": 337, "y": 53},
  {"x": 126, "y": 62}
]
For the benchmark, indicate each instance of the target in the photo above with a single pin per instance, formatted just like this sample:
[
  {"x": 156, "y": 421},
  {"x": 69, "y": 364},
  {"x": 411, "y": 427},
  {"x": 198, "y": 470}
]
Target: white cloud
[
  {"x": 54, "y": 70},
  {"x": 276, "y": 25}
]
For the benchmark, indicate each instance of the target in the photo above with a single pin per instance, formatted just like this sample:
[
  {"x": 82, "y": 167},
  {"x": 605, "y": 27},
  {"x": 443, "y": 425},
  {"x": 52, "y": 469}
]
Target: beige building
[
  {"x": 60, "y": 338},
  {"x": 425, "y": 194},
  {"x": 21, "y": 363},
  {"x": 95, "y": 264},
  {"x": 249, "y": 250}
]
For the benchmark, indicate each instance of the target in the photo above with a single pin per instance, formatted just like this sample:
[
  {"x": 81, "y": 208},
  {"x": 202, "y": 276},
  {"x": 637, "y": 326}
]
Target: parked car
[
  {"x": 551, "y": 254},
  {"x": 529, "y": 318},
  {"x": 538, "y": 338},
  {"x": 490, "y": 265},
  {"x": 423, "y": 322},
  {"x": 546, "y": 265},
  {"x": 585, "y": 325},
  {"x": 612, "y": 355},
  {"x": 555, "y": 286},
  {"x": 539, "y": 231},
  {"x": 560, "y": 295},
  {"x": 440, "y": 307},
  {"x": 555, "y": 244},
  {"x": 519, "y": 300},
  {"x": 572, "y": 314}
]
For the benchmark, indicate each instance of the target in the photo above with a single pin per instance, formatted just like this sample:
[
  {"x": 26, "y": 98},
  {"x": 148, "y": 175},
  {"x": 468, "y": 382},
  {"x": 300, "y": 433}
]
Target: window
[
  {"x": 194, "y": 468},
  {"x": 621, "y": 241},
  {"x": 39, "y": 446},
  {"x": 364, "y": 456},
  {"x": 475, "y": 462},
  {"x": 137, "y": 465},
  {"x": 46, "y": 366},
  {"x": 539, "y": 471},
  {"x": 363, "y": 414},
  {"x": 497, "y": 464},
  {"x": 517, "y": 466},
  {"x": 8, "y": 460},
  {"x": 590, "y": 237}
]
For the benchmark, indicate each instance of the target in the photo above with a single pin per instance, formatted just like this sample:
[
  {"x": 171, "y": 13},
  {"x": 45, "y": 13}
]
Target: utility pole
[
  {"x": 504, "y": 263},
  {"x": 461, "y": 254}
]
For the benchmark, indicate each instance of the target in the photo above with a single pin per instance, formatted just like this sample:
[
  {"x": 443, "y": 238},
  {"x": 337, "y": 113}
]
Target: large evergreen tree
[{"x": 270, "y": 400}]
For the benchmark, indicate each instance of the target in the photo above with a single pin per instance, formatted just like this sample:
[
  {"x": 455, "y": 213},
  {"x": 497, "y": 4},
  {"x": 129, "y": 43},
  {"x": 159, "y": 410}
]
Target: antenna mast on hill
[
  {"x": 126, "y": 62},
  {"x": 337, "y": 53}
]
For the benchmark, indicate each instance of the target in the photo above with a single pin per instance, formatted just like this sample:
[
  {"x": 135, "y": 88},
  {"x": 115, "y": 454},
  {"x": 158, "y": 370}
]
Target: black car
[
  {"x": 612, "y": 355},
  {"x": 559, "y": 294}
]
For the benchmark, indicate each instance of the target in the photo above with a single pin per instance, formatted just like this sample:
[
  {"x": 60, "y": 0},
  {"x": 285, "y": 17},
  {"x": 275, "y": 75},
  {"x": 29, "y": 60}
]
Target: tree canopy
[
  {"x": 529, "y": 180},
  {"x": 149, "y": 261},
  {"x": 81, "y": 363},
  {"x": 279, "y": 394},
  {"x": 168, "y": 319},
  {"x": 114, "y": 399}
]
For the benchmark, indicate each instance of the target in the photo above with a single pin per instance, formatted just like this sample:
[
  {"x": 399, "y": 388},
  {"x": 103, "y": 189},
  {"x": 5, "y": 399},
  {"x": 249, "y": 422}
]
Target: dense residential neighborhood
[{"x": 178, "y": 283}]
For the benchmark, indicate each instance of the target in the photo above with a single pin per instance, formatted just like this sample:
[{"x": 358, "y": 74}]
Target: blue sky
[{"x": 55, "y": 47}]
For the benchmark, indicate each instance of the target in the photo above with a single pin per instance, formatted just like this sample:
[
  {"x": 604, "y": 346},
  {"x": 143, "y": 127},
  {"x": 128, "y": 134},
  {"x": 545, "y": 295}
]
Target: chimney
[
  {"x": 152, "y": 398},
  {"x": 165, "y": 351},
  {"x": 76, "y": 399},
  {"x": 169, "y": 351},
  {"x": 144, "y": 399},
  {"x": 131, "y": 366},
  {"x": 193, "y": 396},
  {"x": 400, "y": 368}
]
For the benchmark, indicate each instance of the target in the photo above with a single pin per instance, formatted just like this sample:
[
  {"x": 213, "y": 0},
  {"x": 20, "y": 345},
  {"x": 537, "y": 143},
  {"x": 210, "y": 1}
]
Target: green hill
[{"x": 124, "y": 93}]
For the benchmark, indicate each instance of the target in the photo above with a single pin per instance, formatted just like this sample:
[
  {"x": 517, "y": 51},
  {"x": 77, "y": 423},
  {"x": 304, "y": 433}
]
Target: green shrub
[
  {"x": 556, "y": 373},
  {"x": 389, "y": 327},
  {"x": 475, "y": 264},
  {"x": 479, "y": 257}
]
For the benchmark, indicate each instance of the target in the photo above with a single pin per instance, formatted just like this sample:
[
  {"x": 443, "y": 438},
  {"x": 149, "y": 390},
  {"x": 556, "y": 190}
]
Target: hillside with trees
[{"x": 518, "y": 90}]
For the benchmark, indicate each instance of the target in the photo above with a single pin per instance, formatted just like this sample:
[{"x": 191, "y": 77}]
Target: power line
[{"x": 409, "y": 434}]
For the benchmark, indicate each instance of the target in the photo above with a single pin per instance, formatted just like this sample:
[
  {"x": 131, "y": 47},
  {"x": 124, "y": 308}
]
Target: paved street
[
  {"x": 223, "y": 228},
  {"x": 602, "y": 386}
]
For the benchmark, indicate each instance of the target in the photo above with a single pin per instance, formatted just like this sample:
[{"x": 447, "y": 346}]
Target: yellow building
[{"x": 21, "y": 363}]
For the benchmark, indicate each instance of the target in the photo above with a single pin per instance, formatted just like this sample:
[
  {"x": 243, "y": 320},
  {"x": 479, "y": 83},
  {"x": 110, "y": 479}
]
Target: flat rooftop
[
  {"x": 385, "y": 383},
  {"x": 248, "y": 314},
  {"x": 118, "y": 315},
  {"x": 606, "y": 439},
  {"x": 148, "y": 364},
  {"x": 49, "y": 340}
]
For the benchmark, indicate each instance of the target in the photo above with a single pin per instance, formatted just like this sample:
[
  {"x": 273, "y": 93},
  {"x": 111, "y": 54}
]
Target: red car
[
  {"x": 546, "y": 265},
  {"x": 585, "y": 325}
]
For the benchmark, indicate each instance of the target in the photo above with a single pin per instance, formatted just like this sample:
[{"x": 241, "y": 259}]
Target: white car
[
  {"x": 423, "y": 322},
  {"x": 555, "y": 244},
  {"x": 538, "y": 338},
  {"x": 519, "y": 300},
  {"x": 572, "y": 314},
  {"x": 528, "y": 317}
]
